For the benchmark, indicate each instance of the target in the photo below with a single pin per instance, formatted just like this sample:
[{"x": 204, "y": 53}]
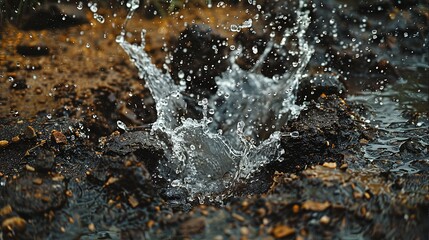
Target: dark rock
[
  {"x": 412, "y": 146},
  {"x": 32, "y": 50},
  {"x": 19, "y": 84},
  {"x": 322, "y": 132},
  {"x": 363, "y": 72},
  {"x": 199, "y": 57},
  {"x": 27, "y": 197},
  {"x": 310, "y": 88},
  {"x": 54, "y": 15},
  {"x": 254, "y": 44}
]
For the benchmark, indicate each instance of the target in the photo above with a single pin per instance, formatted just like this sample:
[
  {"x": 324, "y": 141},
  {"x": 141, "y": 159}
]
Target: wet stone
[
  {"x": 54, "y": 15},
  {"x": 58, "y": 137},
  {"x": 326, "y": 129},
  {"x": 32, "y": 50},
  {"x": 29, "y": 198},
  {"x": 412, "y": 146}
]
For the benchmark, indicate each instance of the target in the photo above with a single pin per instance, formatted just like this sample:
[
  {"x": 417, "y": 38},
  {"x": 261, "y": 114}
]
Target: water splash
[{"x": 208, "y": 157}]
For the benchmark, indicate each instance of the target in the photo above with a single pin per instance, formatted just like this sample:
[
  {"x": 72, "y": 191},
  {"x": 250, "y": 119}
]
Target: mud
[{"x": 68, "y": 171}]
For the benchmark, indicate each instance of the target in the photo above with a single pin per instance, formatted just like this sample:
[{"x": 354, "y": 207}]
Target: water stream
[{"x": 209, "y": 156}]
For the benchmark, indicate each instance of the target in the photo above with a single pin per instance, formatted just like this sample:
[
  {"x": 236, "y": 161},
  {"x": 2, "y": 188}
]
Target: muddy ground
[{"x": 67, "y": 170}]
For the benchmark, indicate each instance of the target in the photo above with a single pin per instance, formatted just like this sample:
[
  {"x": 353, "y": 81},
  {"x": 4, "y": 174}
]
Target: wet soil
[{"x": 67, "y": 170}]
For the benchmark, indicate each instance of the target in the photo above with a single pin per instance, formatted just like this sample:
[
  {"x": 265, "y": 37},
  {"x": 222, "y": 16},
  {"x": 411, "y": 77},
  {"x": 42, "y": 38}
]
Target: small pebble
[
  {"x": 150, "y": 223},
  {"x": 244, "y": 231},
  {"x": 15, "y": 139},
  {"x": 58, "y": 137},
  {"x": 29, "y": 132},
  {"x": 238, "y": 217},
  {"x": 331, "y": 165},
  {"x": 325, "y": 220},
  {"x": 4, "y": 143},
  {"x": 91, "y": 227},
  {"x": 295, "y": 208},
  {"x": 69, "y": 193},
  {"x": 133, "y": 201},
  {"x": 29, "y": 168},
  {"x": 37, "y": 181},
  {"x": 282, "y": 231},
  {"x": 5, "y": 210},
  {"x": 15, "y": 224}
]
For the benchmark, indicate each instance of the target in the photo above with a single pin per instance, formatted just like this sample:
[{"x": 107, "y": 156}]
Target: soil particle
[
  {"x": 43, "y": 180},
  {"x": 315, "y": 206},
  {"x": 330, "y": 164},
  {"x": 58, "y": 137},
  {"x": 6, "y": 210},
  {"x": 282, "y": 231},
  {"x": 4, "y": 143}
]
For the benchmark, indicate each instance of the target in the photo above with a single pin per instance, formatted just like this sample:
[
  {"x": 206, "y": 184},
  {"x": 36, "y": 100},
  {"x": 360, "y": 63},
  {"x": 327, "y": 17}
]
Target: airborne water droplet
[
  {"x": 294, "y": 134},
  {"x": 235, "y": 28},
  {"x": 255, "y": 49},
  {"x": 80, "y": 5},
  {"x": 122, "y": 125}
]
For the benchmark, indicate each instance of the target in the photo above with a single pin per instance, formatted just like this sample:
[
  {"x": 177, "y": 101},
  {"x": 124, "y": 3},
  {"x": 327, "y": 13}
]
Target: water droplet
[
  {"x": 294, "y": 134},
  {"x": 181, "y": 74},
  {"x": 120, "y": 39},
  {"x": 175, "y": 183},
  {"x": 235, "y": 28},
  {"x": 80, "y": 5},
  {"x": 99, "y": 18},
  {"x": 255, "y": 49},
  {"x": 247, "y": 23},
  {"x": 93, "y": 8},
  {"x": 122, "y": 125}
]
